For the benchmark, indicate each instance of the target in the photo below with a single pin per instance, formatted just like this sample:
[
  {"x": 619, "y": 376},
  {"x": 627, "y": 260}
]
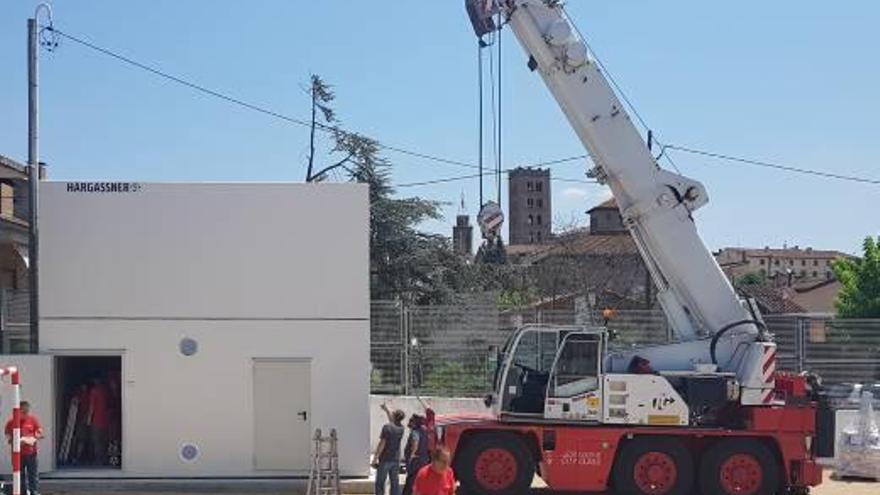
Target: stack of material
[{"x": 859, "y": 444}]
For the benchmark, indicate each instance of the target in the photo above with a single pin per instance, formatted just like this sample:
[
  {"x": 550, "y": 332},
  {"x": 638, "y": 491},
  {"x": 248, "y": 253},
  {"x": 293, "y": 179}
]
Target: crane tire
[
  {"x": 654, "y": 466},
  {"x": 739, "y": 466},
  {"x": 495, "y": 464}
]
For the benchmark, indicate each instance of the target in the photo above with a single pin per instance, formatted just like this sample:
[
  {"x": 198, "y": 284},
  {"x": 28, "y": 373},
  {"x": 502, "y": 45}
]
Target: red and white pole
[{"x": 12, "y": 371}]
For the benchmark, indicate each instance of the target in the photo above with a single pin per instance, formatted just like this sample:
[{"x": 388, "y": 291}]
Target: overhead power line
[
  {"x": 261, "y": 109},
  {"x": 473, "y": 176},
  {"x": 237, "y": 101},
  {"x": 777, "y": 166},
  {"x": 439, "y": 159}
]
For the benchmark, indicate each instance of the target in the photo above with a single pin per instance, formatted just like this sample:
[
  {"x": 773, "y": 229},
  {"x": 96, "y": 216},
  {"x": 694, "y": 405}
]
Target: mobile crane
[{"x": 706, "y": 413}]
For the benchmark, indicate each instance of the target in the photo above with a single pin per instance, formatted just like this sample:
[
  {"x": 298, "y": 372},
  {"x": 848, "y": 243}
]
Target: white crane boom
[{"x": 656, "y": 205}]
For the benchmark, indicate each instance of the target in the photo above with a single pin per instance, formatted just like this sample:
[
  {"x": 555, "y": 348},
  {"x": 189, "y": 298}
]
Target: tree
[
  {"x": 406, "y": 263},
  {"x": 323, "y": 119},
  {"x": 860, "y": 295},
  {"x": 751, "y": 278}
]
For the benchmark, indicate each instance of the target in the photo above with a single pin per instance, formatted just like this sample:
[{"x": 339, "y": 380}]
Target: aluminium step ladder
[{"x": 324, "y": 476}]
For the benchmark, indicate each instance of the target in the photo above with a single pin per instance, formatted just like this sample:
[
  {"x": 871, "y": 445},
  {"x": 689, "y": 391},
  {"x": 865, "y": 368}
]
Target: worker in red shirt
[
  {"x": 81, "y": 436},
  {"x": 98, "y": 420},
  {"x": 436, "y": 478},
  {"x": 31, "y": 432}
]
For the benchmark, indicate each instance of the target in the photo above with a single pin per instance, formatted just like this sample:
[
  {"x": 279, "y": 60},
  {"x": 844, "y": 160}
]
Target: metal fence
[
  {"x": 839, "y": 351},
  {"x": 450, "y": 350}
]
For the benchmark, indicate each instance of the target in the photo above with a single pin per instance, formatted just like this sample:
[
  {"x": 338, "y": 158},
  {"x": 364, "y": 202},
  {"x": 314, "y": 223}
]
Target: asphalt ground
[{"x": 830, "y": 486}]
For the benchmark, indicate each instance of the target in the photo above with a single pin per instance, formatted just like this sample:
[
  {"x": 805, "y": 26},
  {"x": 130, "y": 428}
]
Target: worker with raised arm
[
  {"x": 31, "y": 434},
  {"x": 416, "y": 454},
  {"x": 386, "y": 458}
]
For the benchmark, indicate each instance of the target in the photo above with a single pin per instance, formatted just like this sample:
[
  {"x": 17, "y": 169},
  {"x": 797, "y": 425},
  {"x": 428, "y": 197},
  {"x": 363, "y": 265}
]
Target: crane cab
[
  {"x": 559, "y": 374},
  {"x": 542, "y": 363}
]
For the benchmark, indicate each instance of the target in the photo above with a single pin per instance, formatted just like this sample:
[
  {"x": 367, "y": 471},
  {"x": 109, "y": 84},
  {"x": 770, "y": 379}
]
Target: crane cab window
[
  {"x": 577, "y": 366},
  {"x": 525, "y": 385}
]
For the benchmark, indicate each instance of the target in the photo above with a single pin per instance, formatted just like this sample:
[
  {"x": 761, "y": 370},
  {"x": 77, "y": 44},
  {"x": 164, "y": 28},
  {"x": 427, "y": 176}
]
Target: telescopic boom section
[{"x": 656, "y": 205}]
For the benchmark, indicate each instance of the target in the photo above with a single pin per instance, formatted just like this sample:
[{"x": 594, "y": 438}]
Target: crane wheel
[
  {"x": 495, "y": 464},
  {"x": 739, "y": 466},
  {"x": 654, "y": 466}
]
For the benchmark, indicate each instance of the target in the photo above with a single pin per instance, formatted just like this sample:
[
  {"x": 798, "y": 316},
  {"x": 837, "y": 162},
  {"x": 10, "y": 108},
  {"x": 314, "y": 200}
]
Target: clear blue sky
[{"x": 790, "y": 81}]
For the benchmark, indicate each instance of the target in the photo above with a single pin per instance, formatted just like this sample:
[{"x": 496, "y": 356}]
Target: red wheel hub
[
  {"x": 655, "y": 473},
  {"x": 496, "y": 469},
  {"x": 741, "y": 474}
]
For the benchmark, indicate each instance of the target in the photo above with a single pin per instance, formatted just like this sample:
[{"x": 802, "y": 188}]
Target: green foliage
[
  {"x": 753, "y": 278},
  {"x": 406, "y": 263},
  {"x": 860, "y": 295},
  {"x": 376, "y": 378},
  {"x": 516, "y": 298},
  {"x": 454, "y": 379}
]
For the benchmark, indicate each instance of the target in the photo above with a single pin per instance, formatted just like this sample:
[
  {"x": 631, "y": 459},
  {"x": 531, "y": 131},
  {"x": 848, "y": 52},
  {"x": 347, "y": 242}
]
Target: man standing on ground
[
  {"x": 98, "y": 420},
  {"x": 31, "y": 432},
  {"x": 416, "y": 453},
  {"x": 386, "y": 460}
]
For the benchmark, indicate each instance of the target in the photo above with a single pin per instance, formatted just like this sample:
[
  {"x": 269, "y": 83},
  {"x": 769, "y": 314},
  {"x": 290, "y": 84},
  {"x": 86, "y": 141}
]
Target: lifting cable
[
  {"x": 480, "y": 44},
  {"x": 493, "y": 106},
  {"x": 495, "y": 81},
  {"x": 498, "y": 167}
]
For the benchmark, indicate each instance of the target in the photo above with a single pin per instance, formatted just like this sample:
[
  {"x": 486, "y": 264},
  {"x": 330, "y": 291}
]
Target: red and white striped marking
[
  {"x": 12, "y": 372},
  {"x": 769, "y": 369}
]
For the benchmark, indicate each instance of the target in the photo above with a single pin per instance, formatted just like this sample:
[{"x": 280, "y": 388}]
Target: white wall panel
[
  {"x": 207, "y": 399},
  {"x": 204, "y": 250}
]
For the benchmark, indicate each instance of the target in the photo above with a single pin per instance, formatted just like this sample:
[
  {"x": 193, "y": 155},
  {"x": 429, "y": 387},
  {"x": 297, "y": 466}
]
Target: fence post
[
  {"x": 405, "y": 324},
  {"x": 4, "y": 319},
  {"x": 800, "y": 343}
]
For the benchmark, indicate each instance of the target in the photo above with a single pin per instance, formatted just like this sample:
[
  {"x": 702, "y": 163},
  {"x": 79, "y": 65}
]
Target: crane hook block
[{"x": 481, "y": 12}]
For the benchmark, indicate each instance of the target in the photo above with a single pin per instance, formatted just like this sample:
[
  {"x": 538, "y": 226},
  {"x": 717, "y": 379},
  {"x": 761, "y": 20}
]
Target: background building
[
  {"x": 600, "y": 264},
  {"x": 529, "y": 206},
  {"x": 14, "y": 226},
  {"x": 605, "y": 219},
  {"x": 783, "y": 264},
  {"x": 463, "y": 235}
]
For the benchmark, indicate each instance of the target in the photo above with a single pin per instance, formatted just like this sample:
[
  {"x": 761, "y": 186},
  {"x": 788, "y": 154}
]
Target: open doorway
[{"x": 89, "y": 413}]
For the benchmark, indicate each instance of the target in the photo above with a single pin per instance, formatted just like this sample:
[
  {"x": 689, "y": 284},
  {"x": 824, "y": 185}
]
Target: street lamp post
[{"x": 33, "y": 51}]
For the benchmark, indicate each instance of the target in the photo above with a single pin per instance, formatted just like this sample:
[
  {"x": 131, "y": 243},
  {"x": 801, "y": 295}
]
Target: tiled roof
[
  {"x": 609, "y": 204},
  {"x": 596, "y": 244},
  {"x": 810, "y": 286},
  {"x": 795, "y": 253},
  {"x": 771, "y": 299},
  {"x": 580, "y": 243},
  {"x": 12, "y": 164},
  {"x": 525, "y": 249}
]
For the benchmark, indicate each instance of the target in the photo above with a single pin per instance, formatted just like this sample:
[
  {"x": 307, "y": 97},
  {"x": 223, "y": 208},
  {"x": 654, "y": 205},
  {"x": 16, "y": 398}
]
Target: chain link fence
[
  {"x": 450, "y": 350},
  {"x": 839, "y": 351}
]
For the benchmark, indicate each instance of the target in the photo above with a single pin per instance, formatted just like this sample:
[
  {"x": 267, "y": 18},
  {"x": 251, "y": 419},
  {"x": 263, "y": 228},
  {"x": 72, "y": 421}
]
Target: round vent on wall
[
  {"x": 189, "y": 452},
  {"x": 188, "y": 346}
]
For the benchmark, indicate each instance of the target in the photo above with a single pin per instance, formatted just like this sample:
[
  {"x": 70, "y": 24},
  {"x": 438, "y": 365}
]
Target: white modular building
[{"x": 221, "y": 323}]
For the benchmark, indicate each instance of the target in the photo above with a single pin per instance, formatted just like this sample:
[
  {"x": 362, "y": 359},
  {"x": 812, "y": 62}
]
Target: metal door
[{"x": 282, "y": 414}]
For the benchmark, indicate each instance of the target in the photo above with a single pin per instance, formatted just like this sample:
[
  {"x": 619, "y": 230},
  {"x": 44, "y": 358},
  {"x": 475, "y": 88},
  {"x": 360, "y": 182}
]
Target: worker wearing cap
[{"x": 31, "y": 432}]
